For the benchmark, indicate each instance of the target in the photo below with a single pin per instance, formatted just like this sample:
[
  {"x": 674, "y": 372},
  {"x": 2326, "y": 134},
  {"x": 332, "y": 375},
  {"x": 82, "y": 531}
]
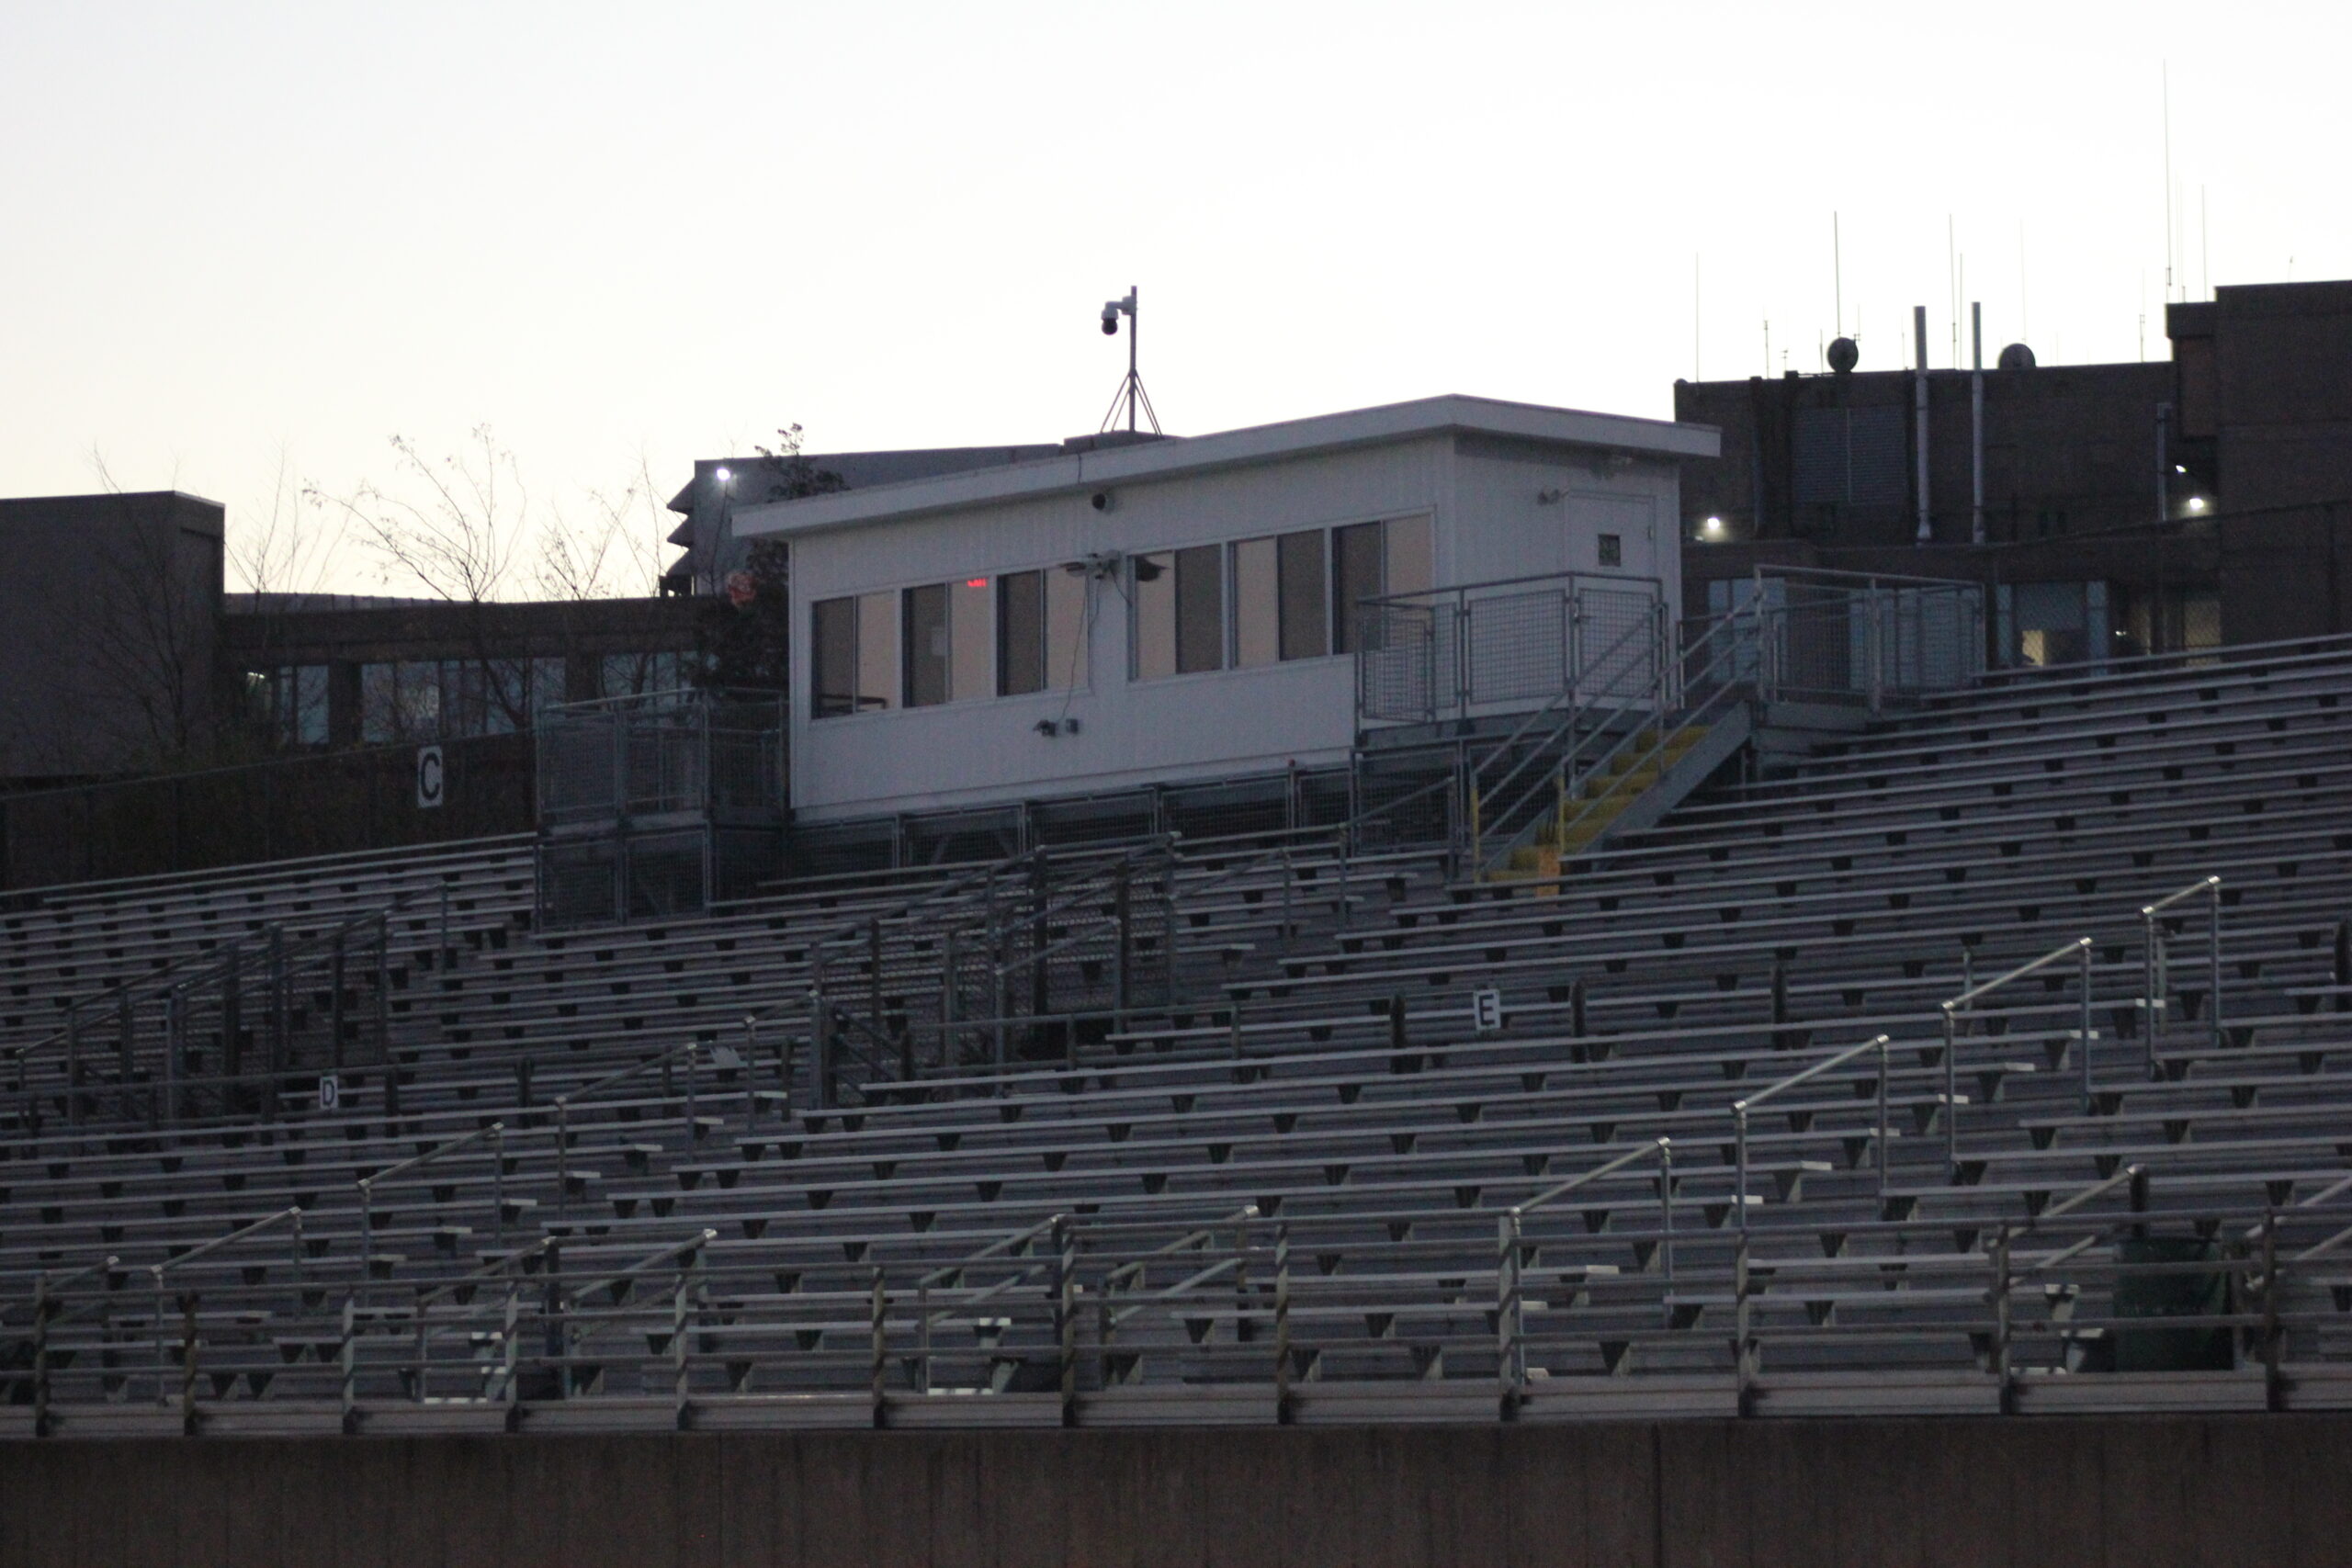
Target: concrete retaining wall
[{"x": 2150, "y": 1494}]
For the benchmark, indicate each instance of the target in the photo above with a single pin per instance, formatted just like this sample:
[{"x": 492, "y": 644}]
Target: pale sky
[{"x": 657, "y": 233}]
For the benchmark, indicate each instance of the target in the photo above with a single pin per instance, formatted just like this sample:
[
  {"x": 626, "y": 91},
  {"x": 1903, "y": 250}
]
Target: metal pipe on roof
[
  {"x": 1920, "y": 410},
  {"x": 1976, "y": 422}
]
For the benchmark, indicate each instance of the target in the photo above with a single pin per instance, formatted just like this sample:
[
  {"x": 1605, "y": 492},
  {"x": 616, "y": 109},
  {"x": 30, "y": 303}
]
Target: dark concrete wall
[{"x": 2144, "y": 1492}]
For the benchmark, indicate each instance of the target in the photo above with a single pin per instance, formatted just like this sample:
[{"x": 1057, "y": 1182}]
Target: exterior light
[
  {"x": 1713, "y": 527},
  {"x": 2196, "y": 503},
  {"x": 724, "y": 475}
]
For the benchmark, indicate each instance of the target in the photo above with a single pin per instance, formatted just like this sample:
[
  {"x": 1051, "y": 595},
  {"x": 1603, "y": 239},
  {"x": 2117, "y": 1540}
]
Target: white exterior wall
[
  {"x": 1208, "y": 725},
  {"x": 1510, "y": 530}
]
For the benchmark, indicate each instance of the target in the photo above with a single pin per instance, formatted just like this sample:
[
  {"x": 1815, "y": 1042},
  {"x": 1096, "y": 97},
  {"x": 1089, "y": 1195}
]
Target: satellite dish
[
  {"x": 2016, "y": 357},
  {"x": 1844, "y": 355}
]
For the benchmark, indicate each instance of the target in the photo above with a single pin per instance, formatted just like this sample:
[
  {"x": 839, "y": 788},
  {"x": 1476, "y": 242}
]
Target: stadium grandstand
[{"x": 1797, "y": 1022}]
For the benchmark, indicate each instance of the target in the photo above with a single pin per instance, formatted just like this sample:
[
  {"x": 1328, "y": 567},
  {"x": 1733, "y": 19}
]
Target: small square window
[{"x": 1613, "y": 549}]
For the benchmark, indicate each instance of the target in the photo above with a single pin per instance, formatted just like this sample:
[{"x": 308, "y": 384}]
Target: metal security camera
[
  {"x": 1102, "y": 499},
  {"x": 1111, "y": 319}
]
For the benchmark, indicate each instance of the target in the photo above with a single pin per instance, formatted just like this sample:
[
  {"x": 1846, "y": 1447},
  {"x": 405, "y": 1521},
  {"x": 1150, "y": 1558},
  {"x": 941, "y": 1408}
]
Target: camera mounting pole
[{"x": 1130, "y": 390}]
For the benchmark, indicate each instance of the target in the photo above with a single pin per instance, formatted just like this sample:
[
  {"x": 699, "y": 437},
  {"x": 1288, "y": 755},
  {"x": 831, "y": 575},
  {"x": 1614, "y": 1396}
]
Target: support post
[
  {"x": 1511, "y": 1365},
  {"x": 2002, "y": 1375},
  {"x": 1951, "y": 1089},
  {"x": 1066, "y": 1313},
  {"x": 1281, "y": 1322},
  {"x": 40, "y": 1355},
  {"x": 2084, "y": 1029},
  {"x": 1739, "y": 1191},
  {"x": 346, "y": 1357},
  {"x": 879, "y": 1352},
  {"x": 2213, "y": 950}
]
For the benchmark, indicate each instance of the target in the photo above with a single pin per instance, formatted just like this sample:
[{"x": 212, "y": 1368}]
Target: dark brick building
[{"x": 2173, "y": 504}]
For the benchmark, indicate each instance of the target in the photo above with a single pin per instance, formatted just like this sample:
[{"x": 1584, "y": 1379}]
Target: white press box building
[{"x": 1184, "y": 609}]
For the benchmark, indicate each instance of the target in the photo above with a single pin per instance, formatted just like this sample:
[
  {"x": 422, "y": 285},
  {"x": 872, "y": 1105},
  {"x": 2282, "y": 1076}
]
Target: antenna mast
[{"x": 1130, "y": 390}]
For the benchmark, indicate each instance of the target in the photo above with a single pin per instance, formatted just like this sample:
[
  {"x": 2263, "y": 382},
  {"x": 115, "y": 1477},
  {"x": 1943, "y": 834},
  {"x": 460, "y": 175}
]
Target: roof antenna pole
[{"x": 1131, "y": 390}]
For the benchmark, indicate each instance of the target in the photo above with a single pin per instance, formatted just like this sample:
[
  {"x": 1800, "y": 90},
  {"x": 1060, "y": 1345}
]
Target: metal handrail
[
  {"x": 1510, "y": 1300},
  {"x": 495, "y": 1133},
  {"x": 2154, "y": 1000},
  {"x": 156, "y": 1271},
  {"x": 2080, "y": 950},
  {"x": 1740, "y": 1108},
  {"x": 1655, "y": 693},
  {"x": 564, "y": 1103},
  {"x": 1658, "y": 699}
]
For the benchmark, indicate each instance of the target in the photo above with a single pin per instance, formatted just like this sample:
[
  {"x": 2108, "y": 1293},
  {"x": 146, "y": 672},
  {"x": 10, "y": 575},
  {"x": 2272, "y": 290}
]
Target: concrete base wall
[{"x": 2148, "y": 1492}]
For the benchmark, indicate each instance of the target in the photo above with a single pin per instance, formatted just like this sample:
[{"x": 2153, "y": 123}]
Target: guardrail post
[
  {"x": 1281, "y": 1322},
  {"x": 2152, "y": 983},
  {"x": 874, "y": 971},
  {"x": 947, "y": 1039},
  {"x": 280, "y": 1042},
  {"x": 233, "y": 1020},
  {"x": 562, "y": 1155},
  {"x": 335, "y": 965},
  {"x": 510, "y": 1356},
  {"x": 2005, "y": 1383},
  {"x": 126, "y": 1019},
  {"x": 1289, "y": 882},
  {"x": 1510, "y": 1367},
  {"x": 419, "y": 1350},
  {"x": 751, "y": 1070},
  {"x": 880, "y": 1350},
  {"x": 1123, "y": 908},
  {"x": 384, "y": 1015},
  {"x": 820, "y": 1025},
  {"x": 1884, "y": 1129},
  {"x": 40, "y": 1355},
  {"x": 174, "y": 1020},
  {"x": 188, "y": 1301},
  {"x": 346, "y": 1355},
  {"x": 1951, "y": 1089},
  {"x": 679, "y": 1368},
  {"x": 1066, "y": 1313},
  {"x": 2272, "y": 1390},
  {"x": 1739, "y": 1192},
  {"x": 2213, "y": 951},
  {"x": 1666, "y": 1208},
  {"x": 73, "y": 1068},
  {"x": 1742, "y": 1347}
]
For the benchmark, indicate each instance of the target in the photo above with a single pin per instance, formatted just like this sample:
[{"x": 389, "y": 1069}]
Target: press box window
[
  {"x": 1368, "y": 561},
  {"x": 853, "y": 654},
  {"x": 1179, "y": 611},
  {"x": 1279, "y": 608},
  {"x": 1040, "y": 631},
  {"x": 1613, "y": 549},
  {"x": 947, "y": 639}
]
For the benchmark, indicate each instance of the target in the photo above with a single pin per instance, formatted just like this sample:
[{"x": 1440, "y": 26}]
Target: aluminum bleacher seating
[{"x": 1794, "y": 1101}]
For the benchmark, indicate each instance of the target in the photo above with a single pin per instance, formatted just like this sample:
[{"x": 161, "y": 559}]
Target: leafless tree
[
  {"x": 275, "y": 547},
  {"x": 618, "y": 553},
  {"x": 450, "y": 528}
]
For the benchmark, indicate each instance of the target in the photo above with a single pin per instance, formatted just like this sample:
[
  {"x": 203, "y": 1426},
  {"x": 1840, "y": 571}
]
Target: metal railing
[
  {"x": 1511, "y": 1260},
  {"x": 214, "y": 1007},
  {"x": 1957, "y": 1008},
  {"x": 496, "y": 1135},
  {"x": 1449, "y": 653},
  {"x": 2154, "y": 995}
]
